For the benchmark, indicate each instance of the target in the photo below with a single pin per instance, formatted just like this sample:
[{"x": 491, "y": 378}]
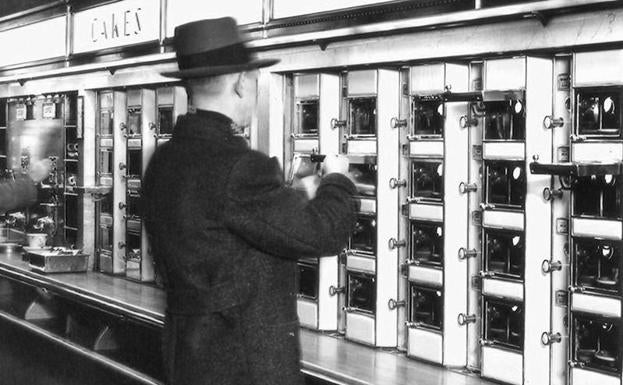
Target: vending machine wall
[
  {"x": 517, "y": 93},
  {"x": 434, "y": 213},
  {"x": 369, "y": 269},
  {"x": 130, "y": 124},
  {"x": 46, "y": 127},
  {"x": 315, "y": 100},
  {"x": 596, "y": 228},
  {"x": 596, "y": 241}
]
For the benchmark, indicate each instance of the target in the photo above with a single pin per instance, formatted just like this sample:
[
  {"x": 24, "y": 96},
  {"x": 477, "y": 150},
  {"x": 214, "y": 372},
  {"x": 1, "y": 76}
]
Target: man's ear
[{"x": 240, "y": 84}]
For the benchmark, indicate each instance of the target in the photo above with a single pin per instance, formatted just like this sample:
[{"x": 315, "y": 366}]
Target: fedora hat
[{"x": 212, "y": 47}]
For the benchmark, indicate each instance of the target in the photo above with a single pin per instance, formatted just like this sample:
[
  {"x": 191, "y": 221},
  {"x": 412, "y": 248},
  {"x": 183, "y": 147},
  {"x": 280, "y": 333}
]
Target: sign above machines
[
  {"x": 37, "y": 41},
  {"x": 119, "y": 24}
]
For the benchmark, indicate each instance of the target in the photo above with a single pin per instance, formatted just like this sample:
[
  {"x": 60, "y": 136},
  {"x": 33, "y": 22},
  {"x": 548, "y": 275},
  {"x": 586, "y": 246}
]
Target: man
[
  {"x": 225, "y": 231},
  {"x": 21, "y": 192}
]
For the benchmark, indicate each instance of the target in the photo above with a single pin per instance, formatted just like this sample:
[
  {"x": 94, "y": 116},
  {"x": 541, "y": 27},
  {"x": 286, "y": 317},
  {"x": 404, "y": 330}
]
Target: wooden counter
[{"x": 324, "y": 356}]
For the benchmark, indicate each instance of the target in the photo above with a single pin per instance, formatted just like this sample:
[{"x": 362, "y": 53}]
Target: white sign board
[
  {"x": 184, "y": 11},
  {"x": 118, "y": 24},
  {"x": 43, "y": 40}
]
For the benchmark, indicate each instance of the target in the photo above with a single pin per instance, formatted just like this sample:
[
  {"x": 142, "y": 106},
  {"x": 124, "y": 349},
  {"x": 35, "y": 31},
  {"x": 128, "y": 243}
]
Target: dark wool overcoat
[{"x": 226, "y": 234}]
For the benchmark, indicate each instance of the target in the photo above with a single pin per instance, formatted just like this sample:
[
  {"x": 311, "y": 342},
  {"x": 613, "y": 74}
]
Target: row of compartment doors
[{"x": 462, "y": 255}]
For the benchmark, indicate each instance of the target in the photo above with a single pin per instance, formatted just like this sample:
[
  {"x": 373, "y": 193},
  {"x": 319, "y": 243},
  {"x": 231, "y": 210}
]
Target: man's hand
[
  {"x": 335, "y": 163},
  {"x": 40, "y": 170}
]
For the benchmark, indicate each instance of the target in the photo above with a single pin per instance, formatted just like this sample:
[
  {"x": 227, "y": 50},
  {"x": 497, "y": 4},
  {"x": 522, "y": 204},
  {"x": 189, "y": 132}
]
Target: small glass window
[
  {"x": 427, "y": 180},
  {"x": 106, "y": 123},
  {"x": 506, "y": 183},
  {"x": 307, "y": 114},
  {"x": 427, "y": 243},
  {"x": 133, "y": 205},
  {"x": 135, "y": 163},
  {"x": 363, "y": 237},
  {"x": 504, "y": 252},
  {"x": 362, "y": 116},
  {"x": 133, "y": 245},
  {"x": 165, "y": 121},
  {"x": 426, "y": 306},
  {"x": 596, "y": 344},
  {"x": 428, "y": 118},
  {"x": 134, "y": 122},
  {"x": 504, "y": 323},
  {"x": 597, "y": 195},
  {"x": 362, "y": 292},
  {"x": 308, "y": 280},
  {"x": 505, "y": 120},
  {"x": 106, "y": 238},
  {"x": 597, "y": 264},
  {"x": 106, "y": 162},
  {"x": 599, "y": 112}
]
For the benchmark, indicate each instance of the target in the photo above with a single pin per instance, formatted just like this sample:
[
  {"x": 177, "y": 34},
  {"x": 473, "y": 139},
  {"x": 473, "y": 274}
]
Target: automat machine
[
  {"x": 130, "y": 124},
  {"x": 45, "y": 127},
  {"x": 315, "y": 101},
  {"x": 591, "y": 171},
  {"x": 516, "y": 94},
  {"x": 368, "y": 269},
  {"x": 433, "y": 165}
]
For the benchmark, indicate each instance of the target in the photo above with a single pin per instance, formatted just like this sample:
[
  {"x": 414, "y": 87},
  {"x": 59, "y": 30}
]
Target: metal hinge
[
  {"x": 477, "y": 152},
  {"x": 562, "y": 298},
  {"x": 476, "y": 282},
  {"x": 477, "y": 218}
]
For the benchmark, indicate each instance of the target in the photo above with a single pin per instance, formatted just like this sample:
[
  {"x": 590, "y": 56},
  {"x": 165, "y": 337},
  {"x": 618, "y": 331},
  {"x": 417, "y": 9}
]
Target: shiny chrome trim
[
  {"x": 80, "y": 69},
  {"x": 107, "y": 304},
  {"x": 526, "y": 10},
  {"x": 30, "y": 11}
]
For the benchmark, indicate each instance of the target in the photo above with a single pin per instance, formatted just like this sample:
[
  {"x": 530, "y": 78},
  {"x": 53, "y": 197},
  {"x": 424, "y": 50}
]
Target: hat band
[{"x": 229, "y": 55}]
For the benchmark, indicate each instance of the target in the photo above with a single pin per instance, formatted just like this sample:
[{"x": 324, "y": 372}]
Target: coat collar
[{"x": 204, "y": 125}]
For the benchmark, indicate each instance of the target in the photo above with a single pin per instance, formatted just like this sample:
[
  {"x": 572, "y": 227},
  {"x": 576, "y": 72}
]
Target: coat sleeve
[
  {"x": 278, "y": 220},
  {"x": 17, "y": 194}
]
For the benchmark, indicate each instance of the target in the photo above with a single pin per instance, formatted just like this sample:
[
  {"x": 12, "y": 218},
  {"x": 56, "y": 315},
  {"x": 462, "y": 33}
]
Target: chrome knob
[
  {"x": 123, "y": 126},
  {"x": 393, "y": 243},
  {"x": 548, "y": 266},
  {"x": 464, "y": 319},
  {"x": 122, "y": 205},
  {"x": 464, "y": 253},
  {"x": 549, "y": 194},
  {"x": 152, "y": 126},
  {"x": 334, "y": 290},
  {"x": 395, "y": 183},
  {"x": 335, "y": 123},
  {"x": 548, "y": 338},
  {"x": 392, "y": 304},
  {"x": 550, "y": 122},
  {"x": 467, "y": 187},
  {"x": 122, "y": 166},
  {"x": 465, "y": 121},
  {"x": 397, "y": 123},
  {"x": 121, "y": 245}
]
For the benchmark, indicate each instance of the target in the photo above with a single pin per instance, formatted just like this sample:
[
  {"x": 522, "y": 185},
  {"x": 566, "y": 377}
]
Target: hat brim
[{"x": 199, "y": 72}]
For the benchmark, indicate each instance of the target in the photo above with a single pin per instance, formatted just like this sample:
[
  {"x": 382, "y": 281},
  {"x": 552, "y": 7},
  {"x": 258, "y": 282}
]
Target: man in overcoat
[{"x": 225, "y": 230}]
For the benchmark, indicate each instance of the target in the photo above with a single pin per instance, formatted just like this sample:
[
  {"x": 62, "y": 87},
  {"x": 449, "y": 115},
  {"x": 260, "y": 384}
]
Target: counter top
[{"x": 324, "y": 356}]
